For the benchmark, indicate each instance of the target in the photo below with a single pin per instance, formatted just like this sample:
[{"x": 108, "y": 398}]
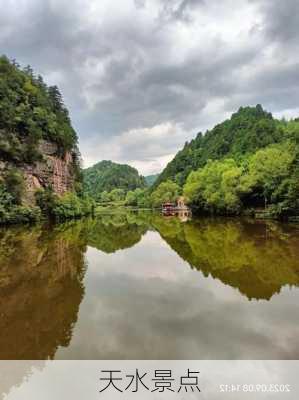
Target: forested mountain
[
  {"x": 151, "y": 179},
  {"x": 249, "y": 163},
  {"x": 106, "y": 176},
  {"x": 39, "y": 157},
  {"x": 249, "y": 129}
]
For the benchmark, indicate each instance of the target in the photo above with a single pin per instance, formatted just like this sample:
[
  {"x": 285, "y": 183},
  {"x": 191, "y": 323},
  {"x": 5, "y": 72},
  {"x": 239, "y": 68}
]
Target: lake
[{"x": 139, "y": 285}]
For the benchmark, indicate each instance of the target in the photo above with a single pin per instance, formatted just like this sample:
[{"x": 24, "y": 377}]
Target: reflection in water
[
  {"x": 114, "y": 232},
  {"x": 69, "y": 289},
  {"x": 40, "y": 289},
  {"x": 256, "y": 258}
]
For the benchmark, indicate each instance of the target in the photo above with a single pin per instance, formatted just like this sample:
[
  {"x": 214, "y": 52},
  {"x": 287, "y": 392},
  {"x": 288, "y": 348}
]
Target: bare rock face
[{"x": 53, "y": 171}]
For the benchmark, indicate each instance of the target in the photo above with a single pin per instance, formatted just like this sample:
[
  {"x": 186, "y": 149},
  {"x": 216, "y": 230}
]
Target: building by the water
[{"x": 179, "y": 209}]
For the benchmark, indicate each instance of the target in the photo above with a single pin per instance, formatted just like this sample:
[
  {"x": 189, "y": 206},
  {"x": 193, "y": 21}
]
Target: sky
[{"x": 142, "y": 77}]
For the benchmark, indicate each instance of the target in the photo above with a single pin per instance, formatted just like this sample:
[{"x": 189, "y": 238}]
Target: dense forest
[
  {"x": 30, "y": 113},
  {"x": 151, "y": 179},
  {"x": 108, "y": 181},
  {"x": 248, "y": 130},
  {"x": 249, "y": 162}
]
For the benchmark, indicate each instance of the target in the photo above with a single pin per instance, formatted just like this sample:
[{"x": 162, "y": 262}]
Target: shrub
[
  {"x": 71, "y": 206},
  {"x": 19, "y": 215}
]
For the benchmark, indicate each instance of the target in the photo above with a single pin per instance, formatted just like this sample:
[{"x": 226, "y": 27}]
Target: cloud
[
  {"x": 179, "y": 9},
  {"x": 147, "y": 149},
  {"x": 280, "y": 21},
  {"x": 145, "y": 65}
]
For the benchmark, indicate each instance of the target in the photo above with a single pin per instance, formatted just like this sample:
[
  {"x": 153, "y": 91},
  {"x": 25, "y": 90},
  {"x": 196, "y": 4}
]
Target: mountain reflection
[
  {"x": 110, "y": 233},
  {"x": 42, "y": 269},
  {"x": 258, "y": 258},
  {"x": 41, "y": 289},
  {"x": 41, "y": 280}
]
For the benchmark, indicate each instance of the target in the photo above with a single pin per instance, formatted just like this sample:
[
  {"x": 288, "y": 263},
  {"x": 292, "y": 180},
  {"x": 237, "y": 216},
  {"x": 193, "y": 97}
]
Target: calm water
[{"x": 143, "y": 286}]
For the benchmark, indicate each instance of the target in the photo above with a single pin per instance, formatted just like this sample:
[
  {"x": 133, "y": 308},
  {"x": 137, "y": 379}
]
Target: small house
[
  {"x": 168, "y": 206},
  {"x": 181, "y": 203}
]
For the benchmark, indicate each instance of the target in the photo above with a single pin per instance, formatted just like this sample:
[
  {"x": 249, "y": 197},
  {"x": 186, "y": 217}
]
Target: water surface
[{"x": 143, "y": 286}]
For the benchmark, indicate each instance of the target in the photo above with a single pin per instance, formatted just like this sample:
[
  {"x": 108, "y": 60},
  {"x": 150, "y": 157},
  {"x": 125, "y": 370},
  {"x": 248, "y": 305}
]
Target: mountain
[
  {"x": 248, "y": 130},
  {"x": 151, "y": 179},
  {"x": 38, "y": 145},
  {"x": 107, "y": 175}
]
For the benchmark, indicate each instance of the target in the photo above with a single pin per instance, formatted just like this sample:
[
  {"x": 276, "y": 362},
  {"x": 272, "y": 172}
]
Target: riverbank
[
  {"x": 257, "y": 214},
  {"x": 48, "y": 207}
]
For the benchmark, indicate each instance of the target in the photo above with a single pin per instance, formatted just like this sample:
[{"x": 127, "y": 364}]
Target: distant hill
[
  {"x": 151, "y": 179},
  {"x": 248, "y": 130},
  {"x": 107, "y": 175}
]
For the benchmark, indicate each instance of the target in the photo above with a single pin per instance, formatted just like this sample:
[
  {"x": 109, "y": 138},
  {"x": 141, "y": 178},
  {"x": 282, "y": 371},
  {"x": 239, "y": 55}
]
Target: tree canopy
[
  {"x": 248, "y": 130},
  {"x": 166, "y": 192},
  {"x": 248, "y": 161},
  {"x": 215, "y": 187},
  {"x": 269, "y": 177},
  {"x": 106, "y": 176},
  {"x": 30, "y": 111},
  {"x": 151, "y": 179}
]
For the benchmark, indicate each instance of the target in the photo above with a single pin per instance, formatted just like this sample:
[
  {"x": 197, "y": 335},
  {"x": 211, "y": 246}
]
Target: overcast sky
[{"x": 141, "y": 77}]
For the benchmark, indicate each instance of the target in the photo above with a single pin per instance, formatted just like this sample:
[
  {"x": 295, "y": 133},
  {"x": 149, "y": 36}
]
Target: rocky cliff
[
  {"x": 38, "y": 145},
  {"x": 52, "y": 170}
]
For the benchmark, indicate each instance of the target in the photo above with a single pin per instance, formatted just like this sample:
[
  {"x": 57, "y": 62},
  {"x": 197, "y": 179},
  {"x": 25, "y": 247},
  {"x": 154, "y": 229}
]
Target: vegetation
[
  {"x": 106, "y": 176},
  {"x": 30, "y": 111},
  {"x": 216, "y": 186},
  {"x": 65, "y": 207},
  {"x": 11, "y": 209},
  {"x": 151, "y": 179},
  {"x": 248, "y": 130},
  {"x": 250, "y": 161},
  {"x": 138, "y": 198},
  {"x": 166, "y": 192},
  {"x": 253, "y": 176},
  {"x": 48, "y": 205},
  {"x": 267, "y": 179}
]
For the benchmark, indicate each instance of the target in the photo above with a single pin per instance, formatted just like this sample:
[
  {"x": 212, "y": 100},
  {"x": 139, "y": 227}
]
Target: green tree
[
  {"x": 139, "y": 198},
  {"x": 131, "y": 198},
  {"x": 166, "y": 192},
  {"x": 117, "y": 195},
  {"x": 29, "y": 111},
  {"x": 105, "y": 197},
  {"x": 215, "y": 187},
  {"x": 107, "y": 175},
  {"x": 268, "y": 171},
  {"x": 14, "y": 183},
  {"x": 46, "y": 201},
  {"x": 248, "y": 130}
]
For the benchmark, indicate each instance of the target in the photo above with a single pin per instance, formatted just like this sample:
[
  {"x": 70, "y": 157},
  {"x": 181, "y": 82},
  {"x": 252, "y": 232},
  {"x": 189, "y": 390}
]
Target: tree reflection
[
  {"x": 110, "y": 233},
  {"x": 41, "y": 288},
  {"x": 41, "y": 280},
  {"x": 257, "y": 258}
]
